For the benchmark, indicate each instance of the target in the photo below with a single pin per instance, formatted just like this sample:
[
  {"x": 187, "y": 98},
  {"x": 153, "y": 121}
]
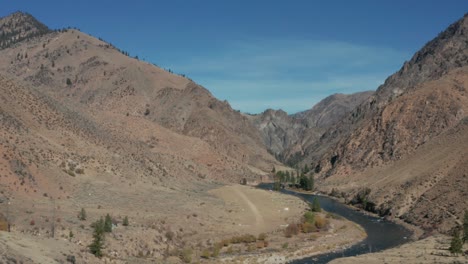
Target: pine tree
[
  {"x": 98, "y": 238},
  {"x": 465, "y": 227},
  {"x": 125, "y": 221},
  {"x": 108, "y": 224},
  {"x": 310, "y": 183},
  {"x": 316, "y": 205},
  {"x": 457, "y": 244},
  {"x": 82, "y": 215},
  {"x": 304, "y": 182},
  {"x": 276, "y": 186}
]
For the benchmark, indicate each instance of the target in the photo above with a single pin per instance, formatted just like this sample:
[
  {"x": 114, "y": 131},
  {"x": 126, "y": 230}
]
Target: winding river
[{"x": 381, "y": 234}]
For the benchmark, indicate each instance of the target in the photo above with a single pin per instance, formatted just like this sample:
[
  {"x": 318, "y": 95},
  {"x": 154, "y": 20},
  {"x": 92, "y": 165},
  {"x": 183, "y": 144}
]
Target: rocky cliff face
[
  {"x": 285, "y": 135},
  {"x": 332, "y": 109},
  {"x": 279, "y": 130}
]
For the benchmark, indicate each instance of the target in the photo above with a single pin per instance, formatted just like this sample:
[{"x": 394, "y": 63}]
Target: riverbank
[
  {"x": 433, "y": 249},
  {"x": 416, "y": 231},
  {"x": 252, "y": 204},
  {"x": 341, "y": 235}
]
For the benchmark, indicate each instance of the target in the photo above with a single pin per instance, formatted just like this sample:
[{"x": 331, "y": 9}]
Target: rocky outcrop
[
  {"x": 285, "y": 135},
  {"x": 18, "y": 27}
]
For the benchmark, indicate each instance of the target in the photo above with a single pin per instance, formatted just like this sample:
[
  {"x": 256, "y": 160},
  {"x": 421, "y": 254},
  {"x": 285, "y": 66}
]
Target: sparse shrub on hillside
[
  {"x": 456, "y": 245},
  {"x": 309, "y": 217},
  {"x": 225, "y": 242},
  {"x": 243, "y": 239},
  {"x": 291, "y": 230},
  {"x": 71, "y": 259},
  {"x": 69, "y": 82},
  {"x": 216, "y": 250},
  {"x": 186, "y": 255},
  {"x": 82, "y": 215},
  {"x": 321, "y": 222},
  {"x": 250, "y": 247},
  {"x": 229, "y": 250},
  {"x": 108, "y": 224},
  {"x": 125, "y": 221},
  {"x": 308, "y": 227},
  {"x": 465, "y": 227},
  {"x": 71, "y": 173},
  {"x": 262, "y": 237},
  {"x": 79, "y": 171},
  {"x": 170, "y": 235},
  {"x": 205, "y": 254}
]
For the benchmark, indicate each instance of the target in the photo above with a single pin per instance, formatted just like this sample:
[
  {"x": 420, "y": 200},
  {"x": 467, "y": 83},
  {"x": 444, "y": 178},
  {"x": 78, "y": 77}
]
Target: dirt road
[{"x": 253, "y": 208}]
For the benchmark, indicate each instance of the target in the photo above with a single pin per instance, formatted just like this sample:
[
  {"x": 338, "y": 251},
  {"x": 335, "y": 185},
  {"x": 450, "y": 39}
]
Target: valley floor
[{"x": 167, "y": 226}]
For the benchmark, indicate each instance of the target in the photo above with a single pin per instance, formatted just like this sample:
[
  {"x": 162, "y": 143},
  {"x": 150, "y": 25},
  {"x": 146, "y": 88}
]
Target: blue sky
[{"x": 261, "y": 54}]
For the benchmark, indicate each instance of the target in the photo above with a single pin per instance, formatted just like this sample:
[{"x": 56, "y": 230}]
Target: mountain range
[{"x": 78, "y": 115}]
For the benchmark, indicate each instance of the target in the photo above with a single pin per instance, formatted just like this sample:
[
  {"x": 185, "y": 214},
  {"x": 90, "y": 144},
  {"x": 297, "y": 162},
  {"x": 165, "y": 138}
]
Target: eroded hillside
[{"x": 416, "y": 106}]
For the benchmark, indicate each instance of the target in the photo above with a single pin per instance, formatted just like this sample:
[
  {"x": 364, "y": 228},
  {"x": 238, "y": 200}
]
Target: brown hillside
[
  {"x": 427, "y": 188},
  {"x": 55, "y": 160},
  {"x": 92, "y": 77},
  {"x": 446, "y": 52}
]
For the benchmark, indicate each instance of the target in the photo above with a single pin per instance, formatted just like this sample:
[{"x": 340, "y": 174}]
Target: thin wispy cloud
[{"x": 291, "y": 75}]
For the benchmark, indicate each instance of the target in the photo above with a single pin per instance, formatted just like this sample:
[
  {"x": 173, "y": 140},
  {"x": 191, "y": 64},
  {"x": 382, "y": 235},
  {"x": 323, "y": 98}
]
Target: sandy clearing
[
  {"x": 256, "y": 211},
  {"x": 258, "y": 217}
]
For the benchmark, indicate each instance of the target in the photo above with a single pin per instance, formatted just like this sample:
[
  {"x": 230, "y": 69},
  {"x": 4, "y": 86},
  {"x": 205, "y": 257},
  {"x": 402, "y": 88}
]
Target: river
[{"x": 381, "y": 234}]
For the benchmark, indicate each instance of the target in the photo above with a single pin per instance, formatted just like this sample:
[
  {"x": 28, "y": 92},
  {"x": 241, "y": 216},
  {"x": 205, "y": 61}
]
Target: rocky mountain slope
[
  {"x": 19, "y": 27},
  {"x": 92, "y": 77},
  {"x": 285, "y": 135},
  {"x": 445, "y": 53},
  {"x": 82, "y": 125},
  {"x": 54, "y": 161},
  {"x": 412, "y": 109}
]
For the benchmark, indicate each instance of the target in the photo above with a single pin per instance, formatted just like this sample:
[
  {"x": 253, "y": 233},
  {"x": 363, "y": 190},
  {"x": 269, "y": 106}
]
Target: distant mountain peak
[{"x": 20, "y": 26}]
